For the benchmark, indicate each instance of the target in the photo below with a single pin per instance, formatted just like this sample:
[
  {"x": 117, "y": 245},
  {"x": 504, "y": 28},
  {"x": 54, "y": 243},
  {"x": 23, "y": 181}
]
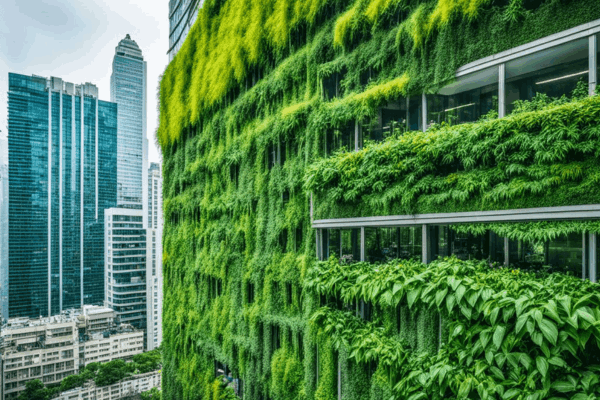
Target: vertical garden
[{"x": 255, "y": 111}]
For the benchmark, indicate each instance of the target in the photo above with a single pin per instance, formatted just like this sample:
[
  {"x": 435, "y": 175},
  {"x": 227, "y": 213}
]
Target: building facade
[
  {"x": 128, "y": 85},
  {"x": 124, "y": 389},
  {"x": 52, "y": 348},
  {"x": 403, "y": 205},
  {"x": 62, "y": 143},
  {"x": 126, "y": 266},
  {"x": 154, "y": 257},
  {"x": 182, "y": 15},
  {"x": 3, "y": 232}
]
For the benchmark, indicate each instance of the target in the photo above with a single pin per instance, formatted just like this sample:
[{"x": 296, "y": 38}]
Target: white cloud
[{"x": 76, "y": 40}]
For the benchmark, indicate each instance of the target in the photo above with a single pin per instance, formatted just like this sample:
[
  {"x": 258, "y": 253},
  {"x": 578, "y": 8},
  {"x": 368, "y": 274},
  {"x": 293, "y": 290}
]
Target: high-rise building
[
  {"x": 62, "y": 143},
  {"x": 3, "y": 224},
  {"x": 125, "y": 260},
  {"x": 154, "y": 257},
  {"x": 128, "y": 90},
  {"x": 182, "y": 15}
]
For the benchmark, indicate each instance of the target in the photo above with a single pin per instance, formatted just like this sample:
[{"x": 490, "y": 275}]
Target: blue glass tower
[
  {"x": 62, "y": 144},
  {"x": 128, "y": 90}
]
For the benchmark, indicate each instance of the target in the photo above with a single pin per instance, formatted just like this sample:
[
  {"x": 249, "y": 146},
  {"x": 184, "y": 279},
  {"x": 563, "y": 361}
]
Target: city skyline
[{"x": 76, "y": 41}]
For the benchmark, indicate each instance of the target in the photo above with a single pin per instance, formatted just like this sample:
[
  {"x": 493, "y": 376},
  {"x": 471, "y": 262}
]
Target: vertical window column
[
  {"x": 424, "y": 111},
  {"x": 501, "y": 90},
  {"x": 593, "y": 261},
  {"x": 593, "y": 60}
]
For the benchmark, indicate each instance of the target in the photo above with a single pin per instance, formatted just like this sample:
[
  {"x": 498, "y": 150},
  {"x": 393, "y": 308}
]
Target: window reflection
[
  {"x": 563, "y": 254},
  {"x": 466, "y": 246},
  {"x": 465, "y": 100},
  {"x": 385, "y": 244},
  {"x": 340, "y": 138},
  {"x": 554, "y": 72},
  {"x": 350, "y": 240},
  {"x": 393, "y": 118}
]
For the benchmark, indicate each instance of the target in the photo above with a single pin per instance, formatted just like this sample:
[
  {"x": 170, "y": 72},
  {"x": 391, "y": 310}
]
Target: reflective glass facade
[
  {"x": 62, "y": 175},
  {"x": 128, "y": 90},
  {"x": 182, "y": 15}
]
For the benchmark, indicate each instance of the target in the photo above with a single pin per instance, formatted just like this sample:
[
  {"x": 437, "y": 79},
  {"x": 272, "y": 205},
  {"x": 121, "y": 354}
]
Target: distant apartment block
[
  {"x": 182, "y": 15},
  {"x": 154, "y": 257},
  {"x": 126, "y": 267},
  {"x": 52, "y": 348},
  {"x": 62, "y": 147},
  {"x": 124, "y": 389}
]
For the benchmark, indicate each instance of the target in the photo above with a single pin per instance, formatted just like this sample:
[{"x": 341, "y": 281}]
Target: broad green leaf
[
  {"x": 542, "y": 365},
  {"x": 510, "y": 394},
  {"x": 499, "y": 335},
  {"x": 549, "y": 330},
  {"x": 563, "y": 386}
]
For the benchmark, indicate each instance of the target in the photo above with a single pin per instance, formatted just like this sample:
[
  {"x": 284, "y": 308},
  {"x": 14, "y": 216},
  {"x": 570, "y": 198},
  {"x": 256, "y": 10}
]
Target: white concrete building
[
  {"x": 129, "y": 387},
  {"x": 125, "y": 260},
  {"x": 154, "y": 257},
  {"x": 52, "y": 348}
]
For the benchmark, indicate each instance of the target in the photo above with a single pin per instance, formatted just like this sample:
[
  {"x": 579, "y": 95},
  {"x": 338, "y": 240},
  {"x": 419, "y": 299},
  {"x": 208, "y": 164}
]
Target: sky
[{"x": 75, "y": 40}]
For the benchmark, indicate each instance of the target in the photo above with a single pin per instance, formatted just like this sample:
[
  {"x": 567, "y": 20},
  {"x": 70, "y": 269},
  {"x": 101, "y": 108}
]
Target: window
[
  {"x": 465, "y": 100},
  {"x": 553, "y": 72},
  {"x": 350, "y": 245},
  {"x": 275, "y": 338},
  {"x": 384, "y": 244},
  {"x": 283, "y": 238},
  {"x": 234, "y": 175},
  {"x": 563, "y": 254},
  {"x": 340, "y": 138},
  {"x": 298, "y": 238},
  {"x": 331, "y": 243},
  {"x": 332, "y": 85},
  {"x": 393, "y": 118},
  {"x": 250, "y": 293}
]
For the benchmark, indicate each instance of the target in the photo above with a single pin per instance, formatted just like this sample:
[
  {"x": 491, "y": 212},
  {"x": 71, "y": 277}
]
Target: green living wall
[{"x": 242, "y": 124}]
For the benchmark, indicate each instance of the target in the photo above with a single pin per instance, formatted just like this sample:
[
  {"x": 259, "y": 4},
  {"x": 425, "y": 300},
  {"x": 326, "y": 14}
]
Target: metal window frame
[{"x": 426, "y": 221}]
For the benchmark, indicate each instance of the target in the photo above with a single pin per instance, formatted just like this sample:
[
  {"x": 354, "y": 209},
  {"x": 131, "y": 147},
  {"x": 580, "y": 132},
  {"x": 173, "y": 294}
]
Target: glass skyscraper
[
  {"x": 128, "y": 90},
  {"x": 182, "y": 15},
  {"x": 62, "y": 145}
]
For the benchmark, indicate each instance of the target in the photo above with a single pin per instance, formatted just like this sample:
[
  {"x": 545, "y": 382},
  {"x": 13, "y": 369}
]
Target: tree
[
  {"x": 34, "y": 390},
  {"x": 152, "y": 394}
]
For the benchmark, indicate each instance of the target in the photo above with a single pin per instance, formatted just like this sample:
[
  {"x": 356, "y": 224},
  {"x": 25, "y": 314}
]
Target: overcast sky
[{"x": 76, "y": 39}]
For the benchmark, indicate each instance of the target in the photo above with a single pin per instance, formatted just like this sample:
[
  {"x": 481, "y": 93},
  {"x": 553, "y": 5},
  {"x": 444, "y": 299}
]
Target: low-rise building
[
  {"x": 52, "y": 348},
  {"x": 128, "y": 387}
]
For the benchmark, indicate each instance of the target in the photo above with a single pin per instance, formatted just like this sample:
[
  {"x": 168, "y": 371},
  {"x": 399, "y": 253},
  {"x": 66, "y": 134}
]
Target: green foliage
[
  {"x": 531, "y": 231},
  {"x": 509, "y": 332},
  {"x": 286, "y": 376},
  {"x": 152, "y": 394},
  {"x": 35, "y": 390},
  {"x": 248, "y": 79},
  {"x": 546, "y": 157}
]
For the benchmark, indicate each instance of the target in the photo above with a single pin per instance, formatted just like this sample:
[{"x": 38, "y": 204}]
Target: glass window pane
[
  {"x": 554, "y": 72},
  {"x": 439, "y": 242},
  {"x": 410, "y": 242},
  {"x": 466, "y": 100},
  {"x": 350, "y": 239},
  {"x": 392, "y": 119},
  {"x": 331, "y": 243},
  {"x": 563, "y": 254},
  {"x": 381, "y": 244},
  {"x": 415, "y": 115},
  {"x": 338, "y": 138}
]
